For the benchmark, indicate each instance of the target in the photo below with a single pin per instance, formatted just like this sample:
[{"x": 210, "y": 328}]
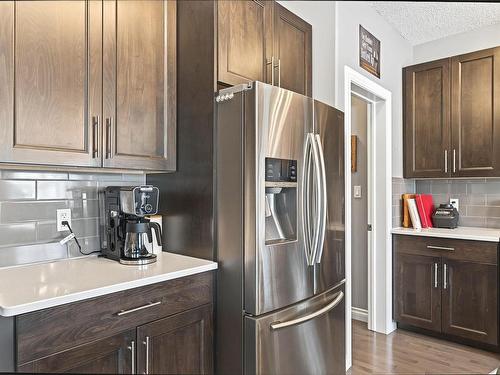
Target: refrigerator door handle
[
  {"x": 306, "y": 187},
  {"x": 323, "y": 200},
  {"x": 305, "y": 318},
  {"x": 318, "y": 200}
]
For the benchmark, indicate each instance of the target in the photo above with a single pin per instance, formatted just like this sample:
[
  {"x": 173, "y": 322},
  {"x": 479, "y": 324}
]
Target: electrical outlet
[
  {"x": 63, "y": 215},
  {"x": 454, "y": 202},
  {"x": 357, "y": 191}
]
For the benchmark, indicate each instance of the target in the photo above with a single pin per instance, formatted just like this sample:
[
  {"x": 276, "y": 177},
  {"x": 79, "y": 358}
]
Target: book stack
[{"x": 417, "y": 210}]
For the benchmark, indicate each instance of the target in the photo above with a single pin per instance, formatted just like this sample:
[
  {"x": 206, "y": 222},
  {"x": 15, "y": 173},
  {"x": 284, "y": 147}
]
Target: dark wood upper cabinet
[
  {"x": 244, "y": 40},
  {"x": 427, "y": 119},
  {"x": 179, "y": 344},
  {"x": 139, "y": 62},
  {"x": 50, "y": 79},
  {"x": 112, "y": 355},
  {"x": 452, "y": 116},
  {"x": 470, "y": 297},
  {"x": 263, "y": 41},
  {"x": 417, "y": 298},
  {"x": 475, "y": 113},
  {"x": 293, "y": 51}
]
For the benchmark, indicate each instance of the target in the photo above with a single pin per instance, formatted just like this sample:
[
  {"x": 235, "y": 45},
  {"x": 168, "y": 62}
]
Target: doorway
[
  {"x": 378, "y": 194},
  {"x": 360, "y": 220}
]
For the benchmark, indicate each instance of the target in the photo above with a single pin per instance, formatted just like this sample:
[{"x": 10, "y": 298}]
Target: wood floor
[{"x": 404, "y": 352}]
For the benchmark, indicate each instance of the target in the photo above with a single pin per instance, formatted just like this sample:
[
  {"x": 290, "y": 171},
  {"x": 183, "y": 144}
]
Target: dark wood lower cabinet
[
  {"x": 470, "y": 301},
  {"x": 180, "y": 344},
  {"x": 448, "y": 287},
  {"x": 417, "y": 292},
  {"x": 112, "y": 355},
  {"x": 163, "y": 328}
]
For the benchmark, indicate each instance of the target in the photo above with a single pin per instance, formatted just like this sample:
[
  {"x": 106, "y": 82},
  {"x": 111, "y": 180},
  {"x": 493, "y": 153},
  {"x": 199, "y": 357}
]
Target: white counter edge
[
  {"x": 8, "y": 311},
  {"x": 452, "y": 234}
]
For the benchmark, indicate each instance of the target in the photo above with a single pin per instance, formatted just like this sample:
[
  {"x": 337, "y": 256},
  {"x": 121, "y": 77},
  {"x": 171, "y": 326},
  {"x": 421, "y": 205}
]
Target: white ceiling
[{"x": 421, "y": 22}]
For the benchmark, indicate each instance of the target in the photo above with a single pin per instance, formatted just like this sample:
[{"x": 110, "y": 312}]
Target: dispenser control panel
[{"x": 281, "y": 170}]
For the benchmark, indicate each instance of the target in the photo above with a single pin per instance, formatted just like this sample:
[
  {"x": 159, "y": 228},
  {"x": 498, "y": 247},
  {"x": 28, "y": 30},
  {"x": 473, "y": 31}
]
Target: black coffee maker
[{"x": 127, "y": 230}]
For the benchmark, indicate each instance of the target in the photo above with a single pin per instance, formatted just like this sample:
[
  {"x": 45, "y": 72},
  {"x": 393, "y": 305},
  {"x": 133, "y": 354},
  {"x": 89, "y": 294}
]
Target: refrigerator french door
[{"x": 276, "y": 249}]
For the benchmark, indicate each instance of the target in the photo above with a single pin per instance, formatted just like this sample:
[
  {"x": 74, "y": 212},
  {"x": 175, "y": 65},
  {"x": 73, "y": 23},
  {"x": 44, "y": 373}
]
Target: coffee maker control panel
[
  {"x": 281, "y": 170},
  {"x": 140, "y": 200}
]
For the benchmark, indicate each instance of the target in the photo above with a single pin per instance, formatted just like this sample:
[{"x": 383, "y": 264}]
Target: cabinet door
[
  {"x": 113, "y": 355},
  {"x": 292, "y": 51},
  {"x": 180, "y": 344},
  {"x": 244, "y": 40},
  {"x": 139, "y": 62},
  {"x": 427, "y": 119},
  {"x": 50, "y": 79},
  {"x": 417, "y": 291},
  {"x": 470, "y": 297},
  {"x": 475, "y": 114}
]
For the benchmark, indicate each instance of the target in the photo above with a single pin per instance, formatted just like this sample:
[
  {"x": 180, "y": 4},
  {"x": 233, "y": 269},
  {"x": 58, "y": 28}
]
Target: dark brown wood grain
[
  {"x": 417, "y": 299},
  {"x": 470, "y": 301},
  {"x": 463, "y": 304},
  {"x": 110, "y": 355},
  {"x": 293, "y": 49},
  {"x": 475, "y": 251},
  {"x": 180, "y": 344},
  {"x": 140, "y": 84},
  {"x": 475, "y": 113},
  {"x": 49, "y": 104},
  {"x": 426, "y": 119},
  {"x": 244, "y": 40},
  {"x": 48, "y": 331}
]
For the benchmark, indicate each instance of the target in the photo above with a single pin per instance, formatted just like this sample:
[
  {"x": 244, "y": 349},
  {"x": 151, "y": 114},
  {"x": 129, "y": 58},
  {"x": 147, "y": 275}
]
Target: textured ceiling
[{"x": 421, "y": 22}]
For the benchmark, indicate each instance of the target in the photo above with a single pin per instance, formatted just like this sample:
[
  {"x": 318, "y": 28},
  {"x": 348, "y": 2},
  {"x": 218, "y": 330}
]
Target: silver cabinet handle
[
  {"x": 109, "y": 125},
  {"x": 445, "y": 281},
  {"x": 147, "y": 353},
  {"x": 279, "y": 72},
  {"x": 445, "y": 161},
  {"x": 441, "y": 248},
  {"x": 435, "y": 275},
  {"x": 147, "y": 306},
  {"x": 454, "y": 161},
  {"x": 302, "y": 319},
  {"x": 132, "y": 350},
  {"x": 272, "y": 69},
  {"x": 323, "y": 199},
  {"x": 96, "y": 120}
]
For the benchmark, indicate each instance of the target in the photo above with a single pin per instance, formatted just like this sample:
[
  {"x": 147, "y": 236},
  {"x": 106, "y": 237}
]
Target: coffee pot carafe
[{"x": 137, "y": 235}]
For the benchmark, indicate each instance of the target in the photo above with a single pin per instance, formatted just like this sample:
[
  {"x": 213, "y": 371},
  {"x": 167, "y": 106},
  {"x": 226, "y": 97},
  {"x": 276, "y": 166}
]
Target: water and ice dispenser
[{"x": 281, "y": 200}]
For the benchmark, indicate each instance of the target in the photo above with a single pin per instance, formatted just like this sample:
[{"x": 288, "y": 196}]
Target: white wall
[
  {"x": 395, "y": 53},
  {"x": 321, "y": 15},
  {"x": 457, "y": 44}
]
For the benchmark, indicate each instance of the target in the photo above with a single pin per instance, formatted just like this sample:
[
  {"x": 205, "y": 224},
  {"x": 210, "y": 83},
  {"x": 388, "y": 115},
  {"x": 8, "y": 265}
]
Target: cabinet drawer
[
  {"x": 48, "y": 331},
  {"x": 476, "y": 251}
]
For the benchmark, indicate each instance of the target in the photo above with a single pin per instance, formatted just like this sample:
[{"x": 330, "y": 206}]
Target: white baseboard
[{"x": 360, "y": 314}]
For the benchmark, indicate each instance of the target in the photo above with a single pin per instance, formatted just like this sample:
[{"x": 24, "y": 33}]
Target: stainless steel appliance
[
  {"x": 279, "y": 233},
  {"x": 127, "y": 229}
]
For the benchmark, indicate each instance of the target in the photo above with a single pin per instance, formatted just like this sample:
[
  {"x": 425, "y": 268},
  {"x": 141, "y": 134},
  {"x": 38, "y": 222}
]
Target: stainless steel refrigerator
[{"x": 279, "y": 233}]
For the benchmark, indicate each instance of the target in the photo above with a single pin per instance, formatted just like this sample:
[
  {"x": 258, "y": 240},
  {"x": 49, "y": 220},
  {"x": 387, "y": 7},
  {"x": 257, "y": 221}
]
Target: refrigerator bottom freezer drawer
[{"x": 306, "y": 338}]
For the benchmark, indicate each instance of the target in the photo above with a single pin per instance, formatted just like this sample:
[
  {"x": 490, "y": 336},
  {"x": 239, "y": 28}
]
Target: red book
[{"x": 425, "y": 208}]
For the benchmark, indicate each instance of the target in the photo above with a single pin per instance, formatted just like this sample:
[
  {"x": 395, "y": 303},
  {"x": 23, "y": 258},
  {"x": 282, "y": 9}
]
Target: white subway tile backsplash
[
  {"x": 16, "y": 190},
  {"x": 28, "y": 204}
]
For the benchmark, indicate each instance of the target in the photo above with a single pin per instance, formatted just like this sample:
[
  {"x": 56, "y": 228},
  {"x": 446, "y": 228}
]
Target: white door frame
[{"x": 380, "y": 191}]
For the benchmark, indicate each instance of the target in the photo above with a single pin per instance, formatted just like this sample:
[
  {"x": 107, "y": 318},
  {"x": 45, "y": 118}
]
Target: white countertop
[
  {"x": 461, "y": 233},
  {"x": 33, "y": 287}
]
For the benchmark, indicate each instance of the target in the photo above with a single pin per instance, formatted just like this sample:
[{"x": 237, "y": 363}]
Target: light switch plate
[
  {"x": 357, "y": 191},
  {"x": 63, "y": 214},
  {"x": 454, "y": 203}
]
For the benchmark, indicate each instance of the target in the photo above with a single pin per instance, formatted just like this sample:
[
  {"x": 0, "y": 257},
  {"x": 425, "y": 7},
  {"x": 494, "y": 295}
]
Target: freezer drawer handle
[{"x": 302, "y": 319}]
